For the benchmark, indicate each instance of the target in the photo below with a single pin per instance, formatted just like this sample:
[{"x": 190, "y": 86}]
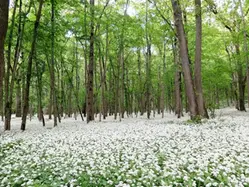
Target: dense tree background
[{"x": 65, "y": 58}]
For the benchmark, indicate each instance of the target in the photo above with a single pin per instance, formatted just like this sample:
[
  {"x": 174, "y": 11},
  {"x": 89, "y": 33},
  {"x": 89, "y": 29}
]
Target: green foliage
[
  {"x": 8, "y": 146},
  {"x": 31, "y": 17},
  {"x": 195, "y": 120},
  {"x": 116, "y": 30}
]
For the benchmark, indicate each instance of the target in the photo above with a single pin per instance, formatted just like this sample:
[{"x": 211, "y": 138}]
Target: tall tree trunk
[
  {"x": 122, "y": 66},
  {"x": 102, "y": 102},
  {"x": 19, "y": 91},
  {"x": 53, "y": 89},
  {"x": 69, "y": 102},
  {"x": 241, "y": 80},
  {"x": 29, "y": 68},
  {"x": 10, "y": 84},
  {"x": 178, "y": 90},
  {"x": 140, "y": 91},
  {"x": 10, "y": 38},
  {"x": 198, "y": 42},
  {"x": 148, "y": 61},
  {"x": 62, "y": 101},
  {"x": 7, "y": 75},
  {"x": 72, "y": 89},
  {"x": 217, "y": 96},
  {"x": 57, "y": 93},
  {"x": 163, "y": 79},
  {"x": 178, "y": 99},
  {"x": 117, "y": 88},
  {"x": 234, "y": 91},
  {"x": 95, "y": 95},
  {"x": 85, "y": 58},
  {"x": 159, "y": 90},
  {"x": 121, "y": 88},
  {"x": 77, "y": 78},
  {"x": 39, "y": 93},
  {"x": 245, "y": 48},
  {"x": 234, "y": 95},
  {"x": 226, "y": 90},
  {"x": 105, "y": 103},
  {"x": 90, "y": 104},
  {"x": 185, "y": 59},
  {"x": 50, "y": 105},
  {"x": 4, "y": 14},
  {"x": 18, "y": 98}
]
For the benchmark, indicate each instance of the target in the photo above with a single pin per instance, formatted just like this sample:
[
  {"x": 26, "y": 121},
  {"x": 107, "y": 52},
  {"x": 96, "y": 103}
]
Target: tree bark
[
  {"x": 90, "y": 104},
  {"x": 10, "y": 83},
  {"x": 39, "y": 93},
  {"x": 18, "y": 98},
  {"x": 140, "y": 91},
  {"x": 241, "y": 80},
  {"x": 29, "y": 68},
  {"x": 148, "y": 61},
  {"x": 164, "y": 80},
  {"x": 7, "y": 74},
  {"x": 105, "y": 103},
  {"x": 245, "y": 48},
  {"x": 185, "y": 59},
  {"x": 62, "y": 101},
  {"x": 53, "y": 89},
  {"x": 4, "y": 14},
  {"x": 197, "y": 69},
  {"x": 178, "y": 90},
  {"x": 159, "y": 90},
  {"x": 85, "y": 58},
  {"x": 102, "y": 102},
  {"x": 18, "y": 55}
]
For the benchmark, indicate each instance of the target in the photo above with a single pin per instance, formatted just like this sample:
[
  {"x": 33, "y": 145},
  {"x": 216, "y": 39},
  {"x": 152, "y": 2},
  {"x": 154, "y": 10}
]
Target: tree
[
  {"x": 148, "y": 66},
  {"x": 4, "y": 14},
  {"x": 185, "y": 59},
  {"x": 197, "y": 69},
  {"x": 52, "y": 69},
  {"x": 245, "y": 46},
  {"x": 29, "y": 68},
  {"x": 89, "y": 107},
  {"x": 233, "y": 26},
  {"x": 161, "y": 51},
  {"x": 10, "y": 84}
]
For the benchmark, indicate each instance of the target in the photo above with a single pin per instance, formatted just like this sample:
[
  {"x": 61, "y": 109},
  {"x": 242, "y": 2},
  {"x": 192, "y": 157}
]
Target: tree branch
[{"x": 162, "y": 16}]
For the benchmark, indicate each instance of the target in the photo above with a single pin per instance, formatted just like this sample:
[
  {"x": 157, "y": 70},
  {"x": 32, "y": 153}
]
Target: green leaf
[{"x": 31, "y": 17}]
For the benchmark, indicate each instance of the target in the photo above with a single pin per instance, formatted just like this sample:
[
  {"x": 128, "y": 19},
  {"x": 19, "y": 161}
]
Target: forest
[{"x": 124, "y": 93}]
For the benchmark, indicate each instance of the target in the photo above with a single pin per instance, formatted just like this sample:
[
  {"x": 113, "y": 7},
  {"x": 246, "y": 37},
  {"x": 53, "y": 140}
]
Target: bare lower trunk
[
  {"x": 178, "y": 99},
  {"x": 159, "y": 91},
  {"x": 1, "y": 77},
  {"x": 178, "y": 90},
  {"x": 18, "y": 99},
  {"x": 241, "y": 81}
]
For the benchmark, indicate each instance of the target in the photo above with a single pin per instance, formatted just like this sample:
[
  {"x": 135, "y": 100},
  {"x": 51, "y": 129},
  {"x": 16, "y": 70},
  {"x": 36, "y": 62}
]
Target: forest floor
[{"x": 134, "y": 152}]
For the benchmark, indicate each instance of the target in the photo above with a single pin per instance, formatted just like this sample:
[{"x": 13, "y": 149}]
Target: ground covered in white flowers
[{"x": 134, "y": 152}]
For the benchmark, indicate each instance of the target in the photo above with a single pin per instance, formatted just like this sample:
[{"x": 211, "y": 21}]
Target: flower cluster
[{"x": 135, "y": 152}]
